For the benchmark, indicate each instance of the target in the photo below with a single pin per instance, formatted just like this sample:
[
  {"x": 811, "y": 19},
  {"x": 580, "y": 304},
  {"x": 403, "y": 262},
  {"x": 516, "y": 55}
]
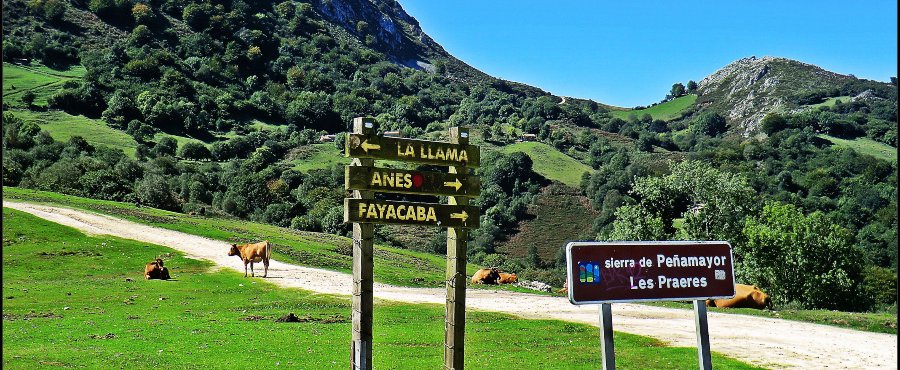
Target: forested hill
[
  {"x": 223, "y": 105},
  {"x": 310, "y": 65}
]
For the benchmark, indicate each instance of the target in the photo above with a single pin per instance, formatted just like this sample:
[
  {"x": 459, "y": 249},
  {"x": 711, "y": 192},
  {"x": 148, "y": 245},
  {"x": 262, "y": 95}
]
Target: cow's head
[
  {"x": 234, "y": 250},
  {"x": 513, "y": 278},
  {"x": 762, "y": 299},
  {"x": 159, "y": 262}
]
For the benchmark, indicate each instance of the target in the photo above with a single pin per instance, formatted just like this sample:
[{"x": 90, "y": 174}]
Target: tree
[
  {"x": 677, "y": 90},
  {"x": 691, "y": 87},
  {"x": 711, "y": 203},
  {"x": 313, "y": 110},
  {"x": 166, "y": 146},
  {"x": 154, "y": 190},
  {"x": 194, "y": 150},
  {"x": 142, "y": 13},
  {"x": 120, "y": 110},
  {"x": 801, "y": 258},
  {"x": 710, "y": 124},
  {"x": 772, "y": 123},
  {"x": 53, "y": 10},
  {"x": 28, "y": 98},
  {"x": 636, "y": 223}
]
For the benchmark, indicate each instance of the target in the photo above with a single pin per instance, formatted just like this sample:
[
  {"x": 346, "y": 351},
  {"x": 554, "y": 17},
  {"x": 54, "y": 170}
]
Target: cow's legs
[
  {"x": 266, "y": 265},
  {"x": 252, "y": 273},
  {"x": 245, "y": 269}
]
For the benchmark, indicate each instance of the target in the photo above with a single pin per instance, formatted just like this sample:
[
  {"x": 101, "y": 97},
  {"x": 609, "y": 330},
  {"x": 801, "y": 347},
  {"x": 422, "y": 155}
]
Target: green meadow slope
[
  {"x": 108, "y": 316},
  {"x": 865, "y": 146},
  {"x": 666, "y": 111},
  {"x": 550, "y": 162}
]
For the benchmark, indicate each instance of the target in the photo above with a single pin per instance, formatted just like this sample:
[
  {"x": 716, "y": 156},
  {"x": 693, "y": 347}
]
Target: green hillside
[
  {"x": 62, "y": 126},
  {"x": 43, "y": 82},
  {"x": 665, "y": 111},
  {"x": 550, "y": 163},
  {"x": 559, "y": 214}
]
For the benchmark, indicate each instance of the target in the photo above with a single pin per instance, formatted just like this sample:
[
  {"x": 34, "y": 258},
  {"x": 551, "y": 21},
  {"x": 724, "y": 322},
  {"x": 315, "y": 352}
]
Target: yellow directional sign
[
  {"x": 411, "y": 182},
  {"x": 366, "y": 146},
  {"x": 454, "y": 184},
  {"x": 411, "y": 150},
  {"x": 462, "y": 216},
  {"x": 409, "y": 213}
]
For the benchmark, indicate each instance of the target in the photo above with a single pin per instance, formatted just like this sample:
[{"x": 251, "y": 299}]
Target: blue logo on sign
[{"x": 589, "y": 272}]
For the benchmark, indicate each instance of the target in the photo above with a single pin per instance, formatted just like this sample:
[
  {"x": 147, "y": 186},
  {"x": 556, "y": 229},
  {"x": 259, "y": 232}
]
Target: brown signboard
[
  {"x": 411, "y": 182},
  {"x": 409, "y": 213},
  {"x": 606, "y": 272},
  {"x": 411, "y": 150}
]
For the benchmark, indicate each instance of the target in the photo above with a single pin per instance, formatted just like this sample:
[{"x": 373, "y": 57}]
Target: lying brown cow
[
  {"x": 486, "y": 276},
  {"x": 508, "y": 278},
  {"x": 250, "y": 253},
  {"x": 565, "y": 288},
  {"x": 745, "y": 296},
  {"x": 156, "y": 270}
]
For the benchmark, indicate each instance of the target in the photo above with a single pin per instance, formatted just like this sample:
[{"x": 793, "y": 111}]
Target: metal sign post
[
  {"x": 363, "y": 210},
  {"x": 606, "y": 337},
  {"x": 607, "y": 272},
  {"x": 703, "y": 355}
]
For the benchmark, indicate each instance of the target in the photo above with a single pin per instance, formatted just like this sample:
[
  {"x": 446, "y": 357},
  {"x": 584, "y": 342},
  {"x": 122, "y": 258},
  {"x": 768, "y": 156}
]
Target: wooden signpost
[
  {"x": 364, "y": 211},
  {"x": 608, "y": 272}
]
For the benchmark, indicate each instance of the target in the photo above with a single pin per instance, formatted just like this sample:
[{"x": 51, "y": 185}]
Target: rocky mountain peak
[
  {"x": 393, "y": 31},
  {"x": 749, "y": 88}
]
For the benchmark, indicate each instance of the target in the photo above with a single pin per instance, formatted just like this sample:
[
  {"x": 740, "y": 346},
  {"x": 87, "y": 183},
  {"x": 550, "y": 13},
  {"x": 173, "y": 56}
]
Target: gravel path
[{"x": 772, "y": 343}]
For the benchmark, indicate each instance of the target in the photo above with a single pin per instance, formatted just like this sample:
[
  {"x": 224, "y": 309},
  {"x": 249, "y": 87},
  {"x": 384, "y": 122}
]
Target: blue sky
[{"x": 629, "y": 53}]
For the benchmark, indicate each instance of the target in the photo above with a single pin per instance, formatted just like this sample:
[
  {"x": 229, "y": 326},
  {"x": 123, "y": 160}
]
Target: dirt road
[{"x": 766, "y": 342}]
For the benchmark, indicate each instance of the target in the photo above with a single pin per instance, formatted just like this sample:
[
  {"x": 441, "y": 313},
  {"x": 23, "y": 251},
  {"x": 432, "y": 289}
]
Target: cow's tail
[{"x": 268, "y": 250}]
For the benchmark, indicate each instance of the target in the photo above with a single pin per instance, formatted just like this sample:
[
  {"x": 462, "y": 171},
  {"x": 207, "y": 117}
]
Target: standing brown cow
[{"x": 254, "y": 252}]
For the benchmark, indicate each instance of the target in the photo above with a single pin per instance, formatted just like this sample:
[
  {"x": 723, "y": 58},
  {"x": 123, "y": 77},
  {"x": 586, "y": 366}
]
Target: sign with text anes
[
  {"x": 607, "y": 272},
  {"x": 411, "y": 182},
  {"x": 411, "y": 150},
  {"x": 409, "y": 213}
]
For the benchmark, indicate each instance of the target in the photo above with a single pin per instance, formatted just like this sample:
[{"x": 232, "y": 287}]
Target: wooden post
[
  {"x": 457, "y": 240},
  {"x": 606, "y": 337},
  {"x": 704, "y": 358},
  {"x": 361, "y": 345}
]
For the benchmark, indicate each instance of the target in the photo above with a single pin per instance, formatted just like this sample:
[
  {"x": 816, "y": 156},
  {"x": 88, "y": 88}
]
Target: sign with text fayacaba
[{"x": 606, "y": 272}]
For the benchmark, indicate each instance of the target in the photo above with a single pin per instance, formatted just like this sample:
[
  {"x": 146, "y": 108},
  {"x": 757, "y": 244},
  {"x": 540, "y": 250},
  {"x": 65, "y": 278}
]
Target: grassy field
[
  {"x": 41, "y": 80},
  {"x": 865, "y": 321},
  {"x": 392, "y": 265},
  {"x": 666, "y": 111},
  {"x": 62, "y": 126},
  {"x": 866, "y": 146},
  {"x": 550, "y": 163},
  {"x": 831, "y": 101},
  {"x": 318, "y": 156},
  {"x": 85, "y": 298}
]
